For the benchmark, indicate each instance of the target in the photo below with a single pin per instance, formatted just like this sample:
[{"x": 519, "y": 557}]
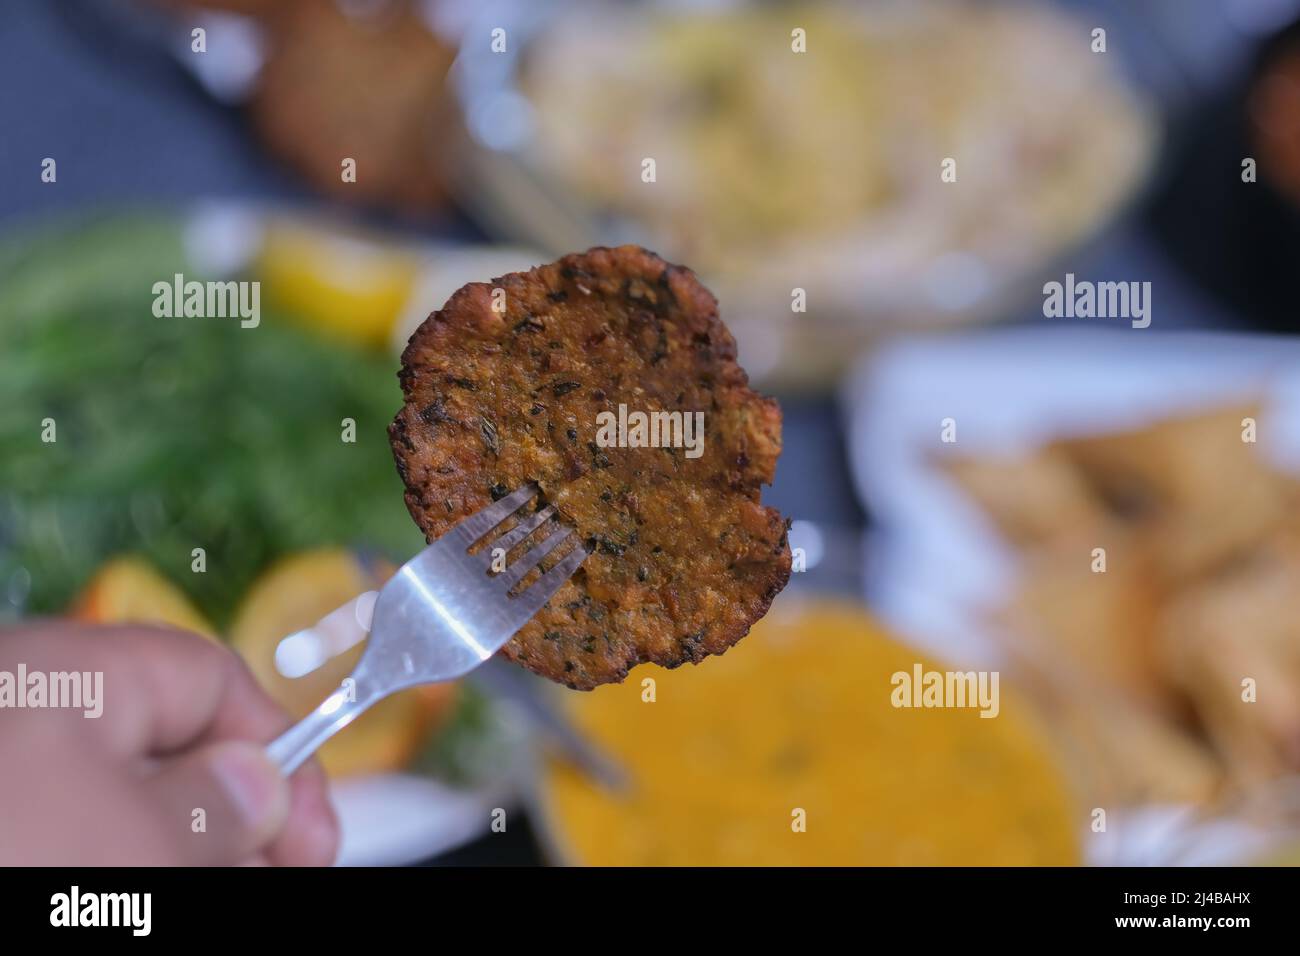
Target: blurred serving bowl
[{"x": 777, "y": 171}]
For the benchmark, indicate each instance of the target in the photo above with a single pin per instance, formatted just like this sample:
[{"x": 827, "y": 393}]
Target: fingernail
[{"x": 253, "y": 784}]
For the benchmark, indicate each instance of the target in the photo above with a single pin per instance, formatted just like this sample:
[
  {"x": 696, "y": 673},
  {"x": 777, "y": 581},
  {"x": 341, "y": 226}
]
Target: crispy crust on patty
[{"x": 684, "y": 557}]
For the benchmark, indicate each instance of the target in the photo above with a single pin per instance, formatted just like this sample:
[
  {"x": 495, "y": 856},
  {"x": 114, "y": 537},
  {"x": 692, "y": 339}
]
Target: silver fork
[{"x": 440, "y": 616}]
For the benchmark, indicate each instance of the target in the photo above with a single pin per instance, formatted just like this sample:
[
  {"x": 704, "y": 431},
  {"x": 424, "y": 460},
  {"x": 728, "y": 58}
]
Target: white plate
[
  {"x": 399, "y": 818},
  {"x": 935, "y": 564},
  {"x": 933, "y": 556},
  {"x": 392, "y": 819}
]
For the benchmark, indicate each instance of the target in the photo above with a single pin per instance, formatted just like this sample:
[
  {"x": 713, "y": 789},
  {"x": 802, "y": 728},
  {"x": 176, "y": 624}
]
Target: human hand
[{"x": 172, "y": 771}]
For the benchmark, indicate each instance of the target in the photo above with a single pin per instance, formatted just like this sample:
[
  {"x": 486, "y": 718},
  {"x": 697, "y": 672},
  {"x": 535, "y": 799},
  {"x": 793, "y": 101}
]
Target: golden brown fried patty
[
  {"x": 367, "y": 86},
  {"x": 684, "y": 556}
]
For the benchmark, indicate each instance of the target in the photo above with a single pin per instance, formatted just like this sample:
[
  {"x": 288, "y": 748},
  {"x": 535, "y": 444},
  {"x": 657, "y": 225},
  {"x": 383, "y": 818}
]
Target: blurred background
[{"x": 953, "y": 458}]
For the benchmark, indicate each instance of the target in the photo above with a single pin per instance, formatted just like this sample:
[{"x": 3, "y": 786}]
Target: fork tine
[
  {"x": 440, "y": 617},
  {"x": 544, "y": 588},
  {"x": 515, "y": 573},
  {"x": 471, "y": 529},
  {"x": 522, "y": 530}
]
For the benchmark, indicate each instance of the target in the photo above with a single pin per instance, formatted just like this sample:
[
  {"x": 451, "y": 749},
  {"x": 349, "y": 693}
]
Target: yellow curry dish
[{"x": 791, "y": 751}]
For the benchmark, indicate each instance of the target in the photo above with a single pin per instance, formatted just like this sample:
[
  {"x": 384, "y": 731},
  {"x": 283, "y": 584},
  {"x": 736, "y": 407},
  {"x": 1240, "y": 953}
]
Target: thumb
[{"x": 227, "y": 801}]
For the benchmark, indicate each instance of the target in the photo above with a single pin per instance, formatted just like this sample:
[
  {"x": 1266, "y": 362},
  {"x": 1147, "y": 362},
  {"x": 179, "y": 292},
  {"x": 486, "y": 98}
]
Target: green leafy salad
[{"x": 122, "y": 432}]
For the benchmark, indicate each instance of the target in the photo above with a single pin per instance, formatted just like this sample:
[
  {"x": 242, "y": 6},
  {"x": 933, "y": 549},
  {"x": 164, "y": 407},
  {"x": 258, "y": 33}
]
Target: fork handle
[{"x": 296, "y": 745}]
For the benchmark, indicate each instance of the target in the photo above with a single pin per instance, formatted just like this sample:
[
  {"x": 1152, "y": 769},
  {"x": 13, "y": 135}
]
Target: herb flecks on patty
[{"x": 684, "y": 556}]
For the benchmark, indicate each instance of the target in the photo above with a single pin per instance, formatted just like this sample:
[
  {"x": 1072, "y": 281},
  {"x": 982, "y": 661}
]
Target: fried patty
[
  {"x": 684, "y": 556},
  {"x": 368, "y": 85}
]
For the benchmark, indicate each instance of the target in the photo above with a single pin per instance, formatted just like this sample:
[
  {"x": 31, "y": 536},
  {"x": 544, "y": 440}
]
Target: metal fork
[{"x": 440, "y": 616}]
